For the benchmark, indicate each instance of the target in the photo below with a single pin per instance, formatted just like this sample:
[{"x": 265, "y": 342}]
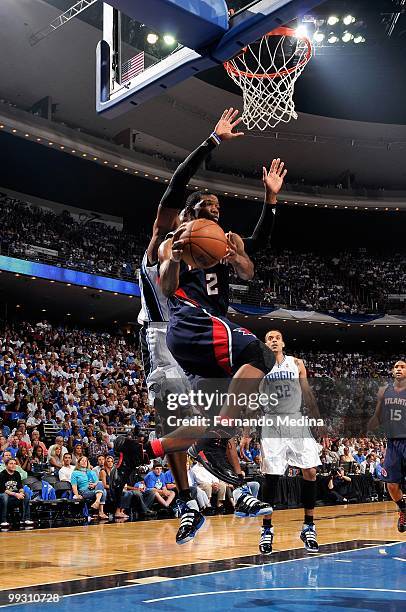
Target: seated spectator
[
  {"x": 23, "y": 459},
  {"x": 35, "y": 439},
  {"x": 59, "y": 442},
  {"x": 359, "y": 456},
  {"x": 6, "y": 456},
  {"x": 196, "y": 492},
  {"x": 169, "y": 481},
  {"x": 154, "y": 481},
  {"x": 37, "y": 454},
  {"x": 55, "y": 457},
  {"x": 85, "y": 485},
  {"x": 338, "y": 486},
  {"x": 101, "y": 459},
  {"x": 13, "y": 445},
  {"x": 65, "y": 472},
  {"x": 77, "y": 453},
  {"x": 346, "y": 457},
  {"x": 104, "y": 477},
  {"x": 12, "y": 493},
  {"x": 210, "y": 484},
  {"x": 96, "y": 448},
  {"x": 140, "y": 497}
]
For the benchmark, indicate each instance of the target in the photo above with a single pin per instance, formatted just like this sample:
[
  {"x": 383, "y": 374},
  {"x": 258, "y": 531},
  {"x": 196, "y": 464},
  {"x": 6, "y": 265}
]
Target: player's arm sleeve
[
  {"x": 175, "y": 195},
  {"x": 261, "y": 235}
]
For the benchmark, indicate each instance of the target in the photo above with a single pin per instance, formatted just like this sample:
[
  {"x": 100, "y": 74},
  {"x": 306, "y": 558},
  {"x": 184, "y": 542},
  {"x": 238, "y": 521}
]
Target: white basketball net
[{"x": 266, "y": 71}]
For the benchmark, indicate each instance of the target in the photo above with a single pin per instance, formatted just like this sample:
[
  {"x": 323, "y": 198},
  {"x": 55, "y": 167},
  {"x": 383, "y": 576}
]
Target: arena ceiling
[{"x": 318, "y": 148}]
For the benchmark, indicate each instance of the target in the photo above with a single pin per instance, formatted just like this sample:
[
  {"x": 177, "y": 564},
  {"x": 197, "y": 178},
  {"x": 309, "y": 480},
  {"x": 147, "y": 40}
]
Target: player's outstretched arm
[
  {"x": 174, "y": 197},
  {"x": 238, "y": 258},
  {"x": 170, "y": 255},
  {"x": 273, "y": 181}
]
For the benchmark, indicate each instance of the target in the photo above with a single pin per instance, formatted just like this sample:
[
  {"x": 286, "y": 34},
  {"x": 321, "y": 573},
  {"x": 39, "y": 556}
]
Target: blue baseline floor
[{"x": 371, "y": 579}]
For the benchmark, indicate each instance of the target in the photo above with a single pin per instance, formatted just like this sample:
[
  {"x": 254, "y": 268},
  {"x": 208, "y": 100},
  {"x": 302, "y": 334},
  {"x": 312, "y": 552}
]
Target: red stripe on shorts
[
  {"x": 220, "y": 345},
  {"x": 181, "y": 294}
]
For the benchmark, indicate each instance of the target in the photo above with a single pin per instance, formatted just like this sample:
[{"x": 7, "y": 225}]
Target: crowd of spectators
[
  {"x": 65, "y": 394},
  {"x": 349, "y": 283},
  {"x": 91, "y": 246},
  {"x": 306, "y": 281}
]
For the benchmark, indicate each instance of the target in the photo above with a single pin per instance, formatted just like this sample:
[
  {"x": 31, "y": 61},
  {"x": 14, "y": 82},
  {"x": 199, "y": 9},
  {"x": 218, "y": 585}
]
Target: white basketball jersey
[
  {"x": 283, "y": 380},
  {"x": 154, "y": 306}
]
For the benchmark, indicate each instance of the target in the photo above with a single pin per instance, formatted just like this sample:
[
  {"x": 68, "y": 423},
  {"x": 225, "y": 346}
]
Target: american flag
[{"x": 132, "y": 67}]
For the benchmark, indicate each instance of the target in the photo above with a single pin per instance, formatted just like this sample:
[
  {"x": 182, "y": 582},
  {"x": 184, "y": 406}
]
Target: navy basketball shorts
[
  {"x": 394, "y": 465},
  {"x": 211, "y": 346}
]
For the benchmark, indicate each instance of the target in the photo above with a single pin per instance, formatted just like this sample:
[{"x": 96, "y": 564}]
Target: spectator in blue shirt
[
  {"x": 155, "y": 481},
  {"x": 359, "y": 456},
  {"x": 86, "y": 485},
  {"x": 169, "y": 481}
]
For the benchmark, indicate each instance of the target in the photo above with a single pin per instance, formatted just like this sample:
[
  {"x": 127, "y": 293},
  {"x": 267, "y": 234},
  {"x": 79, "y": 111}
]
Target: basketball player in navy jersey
[
  {"x": 200, "y": 337},
  {"x": 390, "y": 412},
  {"x": 162, "y": 372}
]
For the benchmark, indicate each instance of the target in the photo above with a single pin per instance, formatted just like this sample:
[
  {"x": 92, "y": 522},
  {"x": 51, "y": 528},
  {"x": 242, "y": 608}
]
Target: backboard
[{"x": 208, "y": 35}]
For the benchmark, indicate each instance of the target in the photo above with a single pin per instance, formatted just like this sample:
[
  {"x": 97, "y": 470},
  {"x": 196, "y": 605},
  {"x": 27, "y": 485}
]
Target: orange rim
[{"x": 282, "y": 31}]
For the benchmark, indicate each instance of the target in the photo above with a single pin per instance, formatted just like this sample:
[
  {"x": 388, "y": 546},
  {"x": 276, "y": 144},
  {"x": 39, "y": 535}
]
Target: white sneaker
[
  {"x": 28, "y": 522},
  {"x": 4, "y": 525}
]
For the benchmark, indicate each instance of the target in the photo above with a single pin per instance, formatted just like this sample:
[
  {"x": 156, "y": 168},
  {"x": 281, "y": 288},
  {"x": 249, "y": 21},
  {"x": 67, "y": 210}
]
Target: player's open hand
[
  {"x": 232, "y": 252},
  {"x": 227, "y": 122},
  {"x": 273, "y": 180},
  {"x": 178, "y": 243}
]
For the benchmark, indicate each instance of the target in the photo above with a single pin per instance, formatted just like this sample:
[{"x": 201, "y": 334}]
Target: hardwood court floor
[{"x": 64, "y": 554}]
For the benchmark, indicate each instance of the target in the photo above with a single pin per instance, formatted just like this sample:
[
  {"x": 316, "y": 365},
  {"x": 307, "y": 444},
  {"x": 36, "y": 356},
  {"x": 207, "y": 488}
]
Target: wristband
[{"x": 215, "y": 139}]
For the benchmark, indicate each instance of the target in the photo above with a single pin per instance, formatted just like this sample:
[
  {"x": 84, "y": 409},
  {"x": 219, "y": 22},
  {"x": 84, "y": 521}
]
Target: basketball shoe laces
[{"x": 309, "y": 536}]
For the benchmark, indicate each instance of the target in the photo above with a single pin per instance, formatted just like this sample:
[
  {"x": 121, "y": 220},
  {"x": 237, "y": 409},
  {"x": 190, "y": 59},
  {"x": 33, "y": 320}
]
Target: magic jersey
[
  {"x": 154, "y": 305},
  {"x": 282, "y": 382}
]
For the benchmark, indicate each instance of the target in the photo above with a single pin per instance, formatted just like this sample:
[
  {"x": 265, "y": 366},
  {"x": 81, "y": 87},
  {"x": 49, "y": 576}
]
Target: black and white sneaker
[
  {"x": 191, "y": 520},
  {"x": 308, "y": 535},
  {"x": 211, "y": 452},
  {"x": 266, "y": 541},
  {"x": 249, "y": 506}
]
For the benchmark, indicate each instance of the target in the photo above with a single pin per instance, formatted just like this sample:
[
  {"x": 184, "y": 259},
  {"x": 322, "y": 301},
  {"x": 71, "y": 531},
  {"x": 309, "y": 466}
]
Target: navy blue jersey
[
  {"x": 207, "y": 289},
  {"x": 394, "y": 412}
]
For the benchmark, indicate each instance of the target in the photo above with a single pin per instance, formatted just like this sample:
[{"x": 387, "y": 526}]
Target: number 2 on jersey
[{"x": 211, "y": 283}]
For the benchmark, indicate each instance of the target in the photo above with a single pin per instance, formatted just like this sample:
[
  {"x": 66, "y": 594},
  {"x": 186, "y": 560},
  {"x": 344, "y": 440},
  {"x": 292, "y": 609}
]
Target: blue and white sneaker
[
  {"x": 249, "y": 506},
  {"x": 191, "y": 520},
  {"x": 266, "y": 540},
  {"x": 308, "y": 535}
]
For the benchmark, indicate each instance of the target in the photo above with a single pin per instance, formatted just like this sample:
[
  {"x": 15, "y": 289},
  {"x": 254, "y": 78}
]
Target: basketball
[{"x": 205, "y": 243}]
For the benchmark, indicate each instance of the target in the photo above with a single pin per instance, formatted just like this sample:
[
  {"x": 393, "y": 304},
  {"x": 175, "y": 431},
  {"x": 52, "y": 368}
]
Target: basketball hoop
[{"x": 266, "y": 71}]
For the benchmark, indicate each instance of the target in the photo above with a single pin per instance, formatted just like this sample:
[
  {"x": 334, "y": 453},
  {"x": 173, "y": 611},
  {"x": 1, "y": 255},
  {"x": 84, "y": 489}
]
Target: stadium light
[
  {"x": 332, "y": 20},
  {"x": 358, "y": 38},
  {"x": 347, "y": 36},
  {"x": 348, "y": 20},
  {"x": 169, "y": 39},
  {"x": 301, "y": 31},
  {"x": 152, "y": 38},
  {"x": 333, "y": 38},
  {"x": 318, "y": 36}
]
